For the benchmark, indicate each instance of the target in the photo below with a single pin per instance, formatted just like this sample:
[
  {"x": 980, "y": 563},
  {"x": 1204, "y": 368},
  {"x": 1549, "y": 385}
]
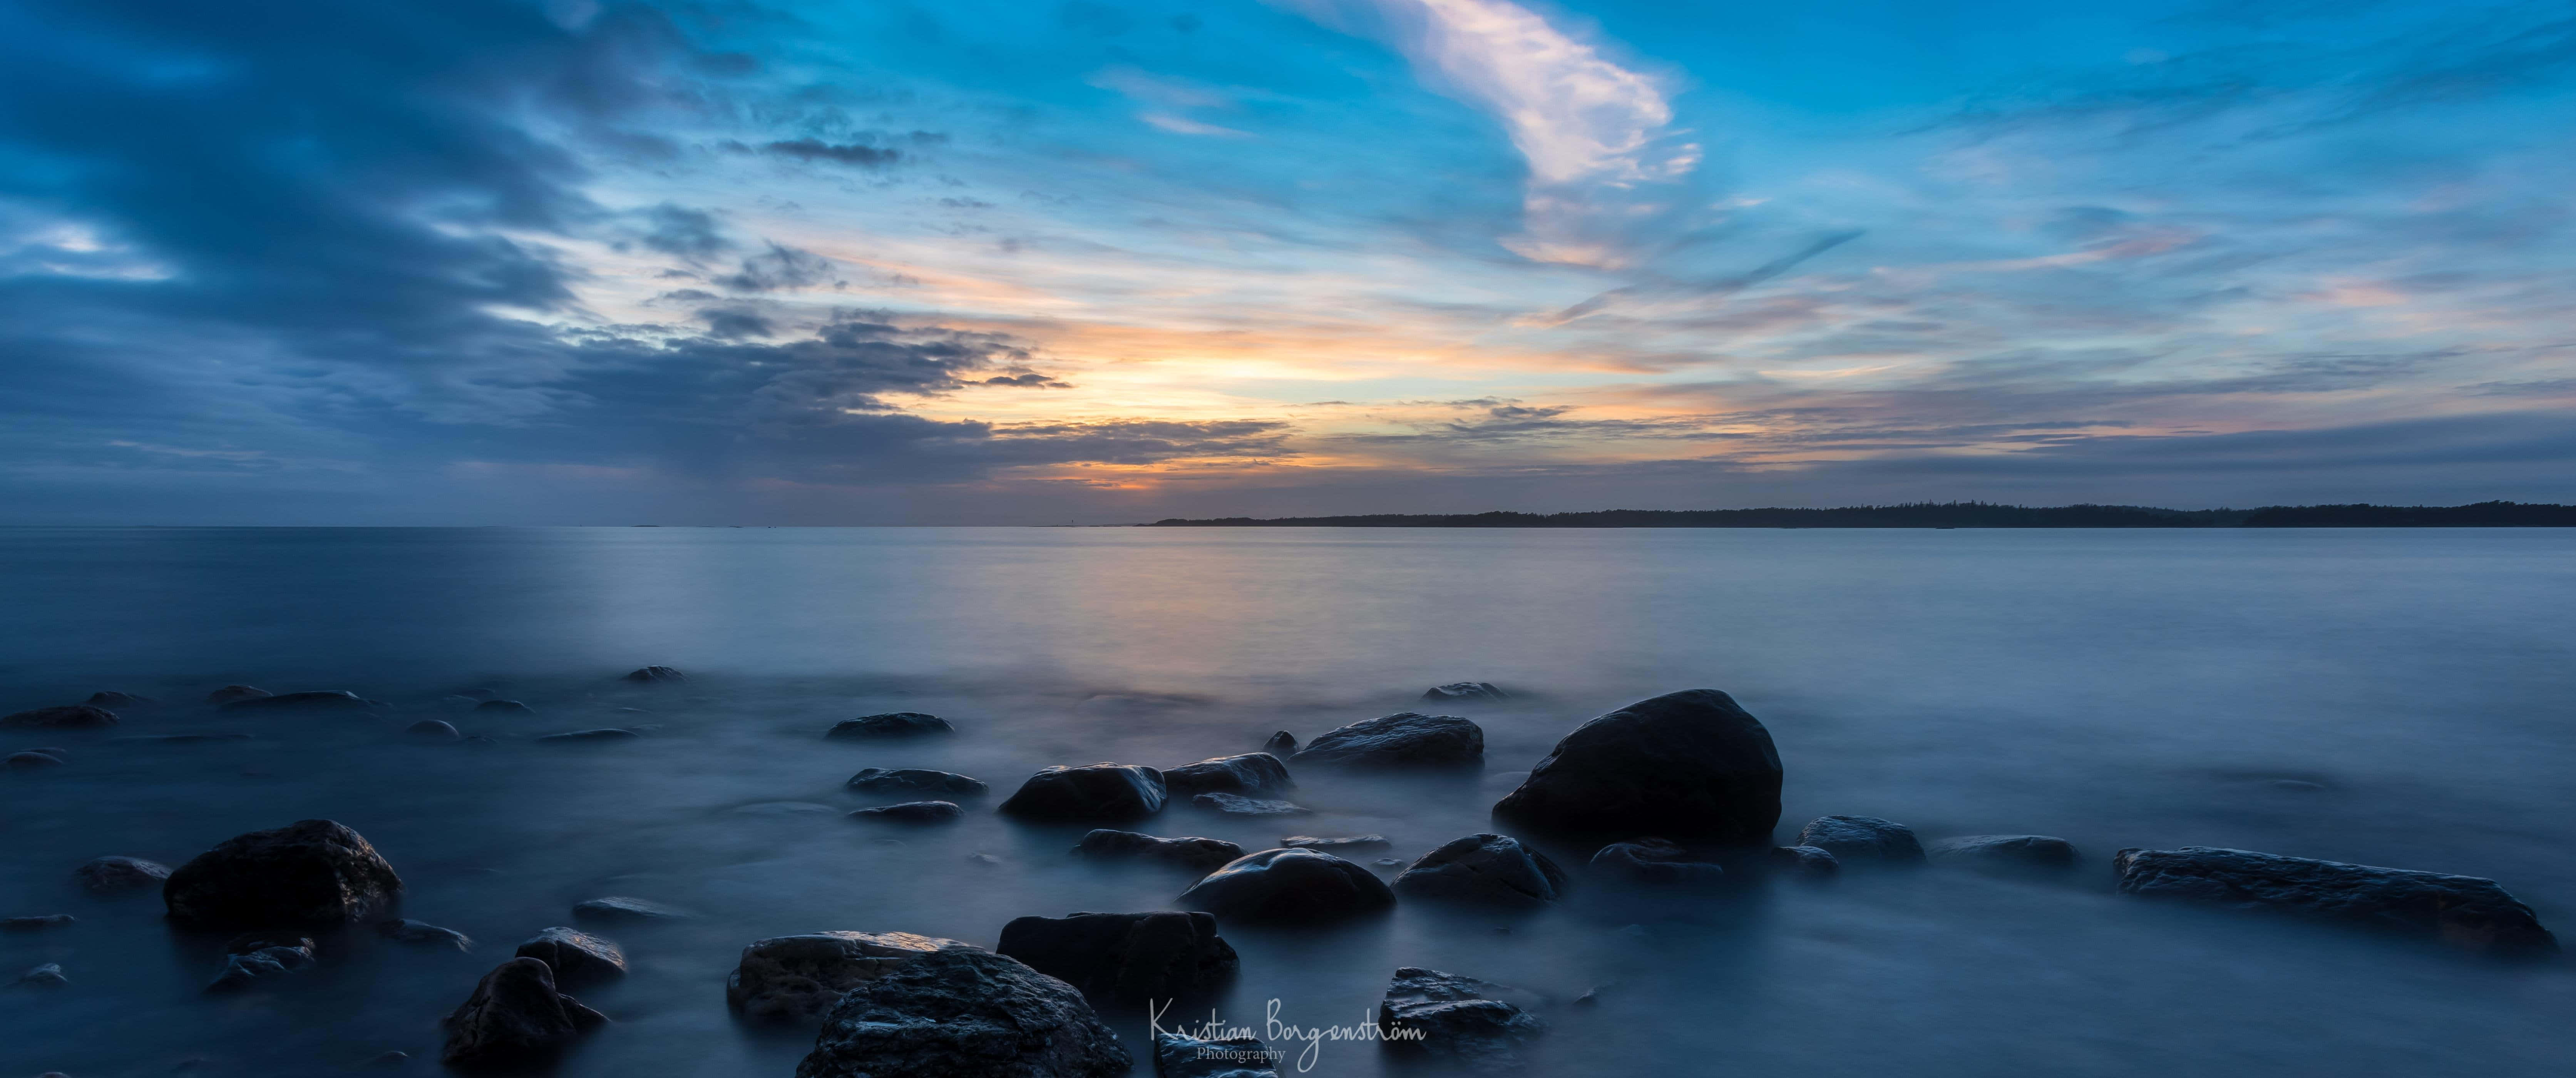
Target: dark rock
[
  {"x": 231, "y": 693},
  {"x": 655, "y": 675},
  {"x": 1389, "y": 862},
  {"x": 1465, "y": 690},
  {"x": 503, "y": 707},
  {"x": 248, "y": 965},
  {"x": 433, "y": 730},
  {"x": 1337, "y": 843},
  {"x": 2463, "y": 911},
  {"x": 113, "y": 700},
  {"x": 308, "y": 872},
  {"x": 577, "y": 737},
  {"x": 1125, "y": 957},
  {"x": 1288, "y": 885},
  {"x": 577, "y": 957},
  {"x": 49, "y": 975},
  {"x": 619, "y": 909},
  {"x": 1862, "y": 838},
  {"x": 424, "y": 934},
  {"x": 913, "y": 780},
  {"x": 1654, "y": 862},
  {"x": 1280, "y": 744},
  {"x": 185, "y": 739},
  {"x": 66, "y": 717},
  {"x": 912, "y": 812},
  {"x": 1805, "y": 861},
  {"x": 800, "y": 978},
  {"x": 1249, "y": 773},
  {"x": 1404, "y": 740},
  {"x": 1094, "y": 792},
  {"x": 515, "y": 1018},
  {"x": 1177, "y": 1056},
  {"x": 784, "y": 808},
  {"x": 1237, "y": 805},
  {"x": 1488, "y": 869},
  {"x": 108, "y": 874},
  {"x": 1201, "y": 855},
  {"x": 1689, "y": 764},
  {"x": 2005, "y": 852},
  {"x": 891, "y": 724},
  {"x": 37, "y": 924},
  {"x": 31, "y": 760},
  {"x": 963, "y": 1013},
  {"x": 319, "y": 701},
  {"x": 1459, "y": 1018}
]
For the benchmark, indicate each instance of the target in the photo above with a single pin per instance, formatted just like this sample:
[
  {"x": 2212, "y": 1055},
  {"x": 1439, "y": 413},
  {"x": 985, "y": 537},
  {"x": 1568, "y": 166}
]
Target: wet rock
[
  {"x": 2005, "y": 852},
  {"x": 185, "y": 739},
  {"x": 424, "y": 934},
  {"x": 1288, "y": 885},
  {"x": 1688, "y": 764},
  {"x": 1095, "y": 792},
  {"x": 2464, "y": 911},
  {"x": 1804, "y": 861},
  {"x": 914, "y": 780},
  {"x": 964, "y": 1013},
  {"x": 655, "y": 675},
  {"x": 576, "y": 957},
  {"x": 256, "y": 958},
  {"x": 1465, "y": 690},
  {"x": 581, "y": 737},
  {"x": 503, "y": 707},
  {"x": 1281, "y": 744},
  {"x": 894, "y": 724},
  {"x": 113, "y": 700},
  {"x": 784, "y": 808},
  {"x": 1389, "y": 862},
  {"x": 515, "y": 1018},
  {"x": 1201, "y": 855},
  {"x": 111, "y": 874},
  {"x": 1249, "y": 773},
  {"x": 620, "y": 909},
  {"x": 310, "y": 872},
  {"x": 1177, "y": 1056},
  {"x": 1492, "y": 870},
  {"x": 318, "y": 702},
  {"x": 800, "y": 978},
  {"x": 1125, "y": 957},
  {"x": 1458, "y": 1018},
  {"x": 1863, "y": 838},
  {"x": 232, "y": 693},
  {"x": 912, "y": 812},
  {"x": 433, "y": 730},
  {"x": 1403, "y": 740},
  {"x": 66, "y": 717},
  {"x": 1237, "y": 805},
  {"x": 31, "y": 760},
  {"x": 1338, "y": 843},
  {"x": 1654, "y": 862},
  {"x": 37, "y": 924},
  {"x": 49, "y": 975}
]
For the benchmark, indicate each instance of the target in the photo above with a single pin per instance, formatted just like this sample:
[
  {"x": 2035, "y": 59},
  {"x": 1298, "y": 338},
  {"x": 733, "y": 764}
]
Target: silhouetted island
[{"x": 1957, "y": 515}]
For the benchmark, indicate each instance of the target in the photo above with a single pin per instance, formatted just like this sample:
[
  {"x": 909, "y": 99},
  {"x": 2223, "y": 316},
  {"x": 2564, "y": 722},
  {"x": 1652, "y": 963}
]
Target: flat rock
[
  {"x": 655, "y": 675},
  {"x": 1689, "y": 764},
  {"x": 111, "y": 874},
  {"x": 49, "y": 975},
  {"x": 911, "y": 781},
  {"x": 1486, "y": 869},
  {"x": 912, "y": 812},
  {"x": 1654, "y": 862},
  {"x": 112, "y": 700},
  {"x": 231, "y": 693},
  {"x": 1863, "y": 838},
  {"x": 1288, "y": 885},
  {"x": 1248, "y": 773},
  {"x": 800, "y": 978},
  {"x": 311, "y": 872},
  {"x": 2464, "y": 911},
  {"x": 1101, "y": 791},
  {"x": 1178, "y": 1056},
  {"x": 424, "y": 934},
  {"x": 1337, "y": 843},
  {"x": 893, "y": 724},
  {"x": 1459, "y": 1018},
  {"x": 433, "y": 730},
  {"x": 66, "y": 717},
  {"x": 1465, "y": 690},
  {"x": 503, "y": 707},
  {"x": 1239, "y": 805},
  {"x": 328, "y": 700},
  {"x": 188, "y": 738},
  {"x": 2026, "y": 852},
  {"x": 576, "y": 957},
  {"x": 515, "y": 1018},
  {"x": 38, "y": 923},
  {"x": 31, "y": 760},
  {"x": 1281, "y": 744},
  {"x": 1132, "y": 958},
  {"x": 576, "y": 737},
  {"x": 963, "y": 1013},
  {"x": 1200, "y": 855},
  {"x": 1805, "y": 861},
  {"x": 620, "y": 909},
  {"x": 1402, "y": 740}
]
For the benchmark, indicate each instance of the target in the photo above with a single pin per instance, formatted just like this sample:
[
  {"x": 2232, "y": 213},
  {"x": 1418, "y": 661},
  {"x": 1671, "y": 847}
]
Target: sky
[{"x": 1094, "y": 261}]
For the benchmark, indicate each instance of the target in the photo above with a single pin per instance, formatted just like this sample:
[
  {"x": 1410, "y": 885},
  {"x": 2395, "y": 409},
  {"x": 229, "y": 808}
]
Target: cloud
[{"x": 852, "y": 153}]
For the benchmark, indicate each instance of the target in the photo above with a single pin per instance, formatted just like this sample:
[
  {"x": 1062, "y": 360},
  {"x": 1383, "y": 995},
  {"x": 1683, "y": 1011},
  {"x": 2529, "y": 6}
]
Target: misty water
[{"x": 2396, "y": 698}]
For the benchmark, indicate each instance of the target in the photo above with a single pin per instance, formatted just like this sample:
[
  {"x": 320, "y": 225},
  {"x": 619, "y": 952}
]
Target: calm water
[{"x": 2114, "y": 688}]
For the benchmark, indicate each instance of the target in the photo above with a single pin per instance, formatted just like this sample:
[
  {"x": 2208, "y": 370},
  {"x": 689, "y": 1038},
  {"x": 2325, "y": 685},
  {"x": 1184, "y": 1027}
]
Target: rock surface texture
[
  {"x": 1288, "y": 885},
  {"x": 893, "y": 724},
  {"x": 964, "y": 1014},
  {"x": 1402, "y": 740},
  {"x": 1863, "y": 838},
  {"x": 1125, "y": 957},
  {"x": 1460, "y": 1018},
  {"x": 1689, "y": 765},
  {"x": 1239, "y": 805},
  {"x": 800, "y": 978},
  {"x": 2464, "y": 911},
  {"x": 1249, "y": 773},
  {"x": 311, "y": 872},
  {"x": 1491, "y": 870},
  {"x": 915, "y": 781},
  {"x": 1201, "y": 855},
  {"x": 1092, "y": 792},
  {"x": 515, "y": 1018},
  {"x": 108, "y": 875},
  {"x": 1654, "y": 862},
  {"x": 577, "y": 957}
]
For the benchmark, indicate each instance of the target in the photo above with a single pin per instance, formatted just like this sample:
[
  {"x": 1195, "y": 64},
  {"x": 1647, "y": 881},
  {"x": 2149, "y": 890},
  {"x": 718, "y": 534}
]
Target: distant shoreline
[{"x": 1955, "y": 515}]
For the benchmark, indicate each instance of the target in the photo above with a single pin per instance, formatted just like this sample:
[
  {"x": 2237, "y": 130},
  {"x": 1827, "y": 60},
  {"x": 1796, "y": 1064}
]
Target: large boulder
[
  {"x": 1457, "y": 1018},
  {"x": 1402, "y": 740},
  {"x": 577, "y": 957},
  {"x": 916, "y": 782},
  {"x": 1180, "y": 1056},
  {"x": 1688, "y": 764},
  {"x": 1863, "y": 838},
  {"x": 2005, "y": 853},
  {"x": 66, "y": 717},
  {"x": 1492, "y": 870},
  {"x": 311, "y": 872},
  {"x": 108, "y": 875},
  {"x": 1288, "y": 885},
  {"x": 1092, "y": 792},
  {"x": 515, "y": 1018},
  {"x": 2464, "y": 911},
  {"x": 799, "y": 978},
  {"x": 893, "y": 724},
  {"x": 1125, "y": 957},
  {"x": 1249, "y": 773},
  {"x": 1199, "y": 855},
  {"x": 962, "y": 1013},
  {"x": 1654, "y": 862}
]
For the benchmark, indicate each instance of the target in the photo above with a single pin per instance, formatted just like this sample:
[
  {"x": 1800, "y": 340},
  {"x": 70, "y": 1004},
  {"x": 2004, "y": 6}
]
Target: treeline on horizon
[{"x": 1957, "y": 515}]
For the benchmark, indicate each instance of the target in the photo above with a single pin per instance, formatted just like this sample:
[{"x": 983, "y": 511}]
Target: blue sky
[{"x": 573, "y": 262}]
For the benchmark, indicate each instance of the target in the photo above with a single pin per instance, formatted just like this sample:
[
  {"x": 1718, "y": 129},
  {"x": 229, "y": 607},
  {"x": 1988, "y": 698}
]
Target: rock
[
  {"x": 183, "y": 739},
  {"x": 433, "y": 730},
  {"x": 619, "y": 909},
  {"x": 37, "y": 924},
  {"x": 261, "y": 958},
  {"x": 1288, "y": 885},
  {"x": 1280, "y": 744},
  {"x": 389, "y": 1058},
  {"x": 2005, "y": 852},
  {"x": 1337, "y": 843},
  {"x": 66, "y": 717},
  {"x": 912, "y": 812},
  {"x": 1460, "y": 1018},
  {"x": 1177, "y": 1056},
  {"x": 1486, "y": 869},
  {"x": 112, "y": 700},
  {"x": 1806, "y": 861},
  {"x": 964, "y": 1013},
  {"x": 503, "y": 707},
  {"x": 784, "y": 808},
  {"x": 577, "y": 737},
  {"x": 1389, "y": 862},
  {"x": 31, "y": 760},
  {"x": 1689, "y": 764},
  {"x": 1405, "y": 740},
  {"x": 110, "y": 874},
  {"x": 1200, "y": 855},
  {"x": 577, "y": 957},
  {"x": 1249, "y": 773},
  {"x": 311, "y": 872},
  {"x": 1125, "y": 957},
  {"x": 1465, "y": 690},
  {"x": 2463, "y": 911},
  {"x": 799, "y": 978},
  {"x": 515, "y": 1018},
  {"x": 231, "y": 693},
  {"x": 424, "y": 934},
  {"x": 49, "y": 975},
  {"x": 913, "y": 780},
  {"x": 655, "y": 675},
  {"x": 1094, "y": 792},
  {"x": 1236, "y": 805},
  {"x": 319, "y": 701},
  {"x": 891, "y": 724},
  {"x": 1862, "y": 838},
  {"x": 1654, "y": 862}
]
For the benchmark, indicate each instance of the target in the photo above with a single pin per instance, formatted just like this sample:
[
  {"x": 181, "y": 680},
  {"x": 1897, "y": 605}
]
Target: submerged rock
[
  {"x": 49, "y": 975},
  {"x": 1094, "y": 792},
  {"x": 915, "y": 780},
  {"x": 1176, "y": 1056},
  {"x": 1288, "y": 885},
  {"x": 964, "y": 1013},
  {"x": 1238, "y": 805},
  {"x": 2005, "y": 852},
  {"x": 620, "y": 909},
  {"x": 182, "y": 739},
  {"x": 2463, "y": 911},
  {"x": 1654, "y": 862},
  {"x": 111, "y": 874},
  {"x": 257, "y": 958},
  {"x": 1459, "y": 1018},
  {"x": 800, "y": 978},
  {"x": 1337, "y": 843},
  {"x": 1402, "y": 740},
  {"x": 311, "y": 872},
  {"x": 66, "y": 717},
  {"x": 231, "y": 693},
  {"x": 1689, "y": 764},
  {"x": 326, "y": 700},
  {"x": 424, "y": 934},
  {"x": 576, "y": 957},
  {"x": 503, "y": 707},
  {"x": 1201, "y": 855},
  {"x": 891, "y": 724},
  {"x": 515, "y": 1018},
  {"x": 1465, "y": 690},
  {"x": 433, "y": 730},
  {"x": 912, "y": 812},
  {"x": 1126, "y": 957},
  {"x": 1805, "y": 861},
  {"x": 1863, "y": 838},
  {"x": 1495, "y": 870},
  {"x": 112, "y": 700},
  {"x": 38, "y": 923},
  {"x": 577, "y": 737},
  {"x": 31, "y": 760},
  {"x": 1280, "y": 744},
  {"x": 655, "y": 675},
  {"x": 1249, "y": 773}
]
